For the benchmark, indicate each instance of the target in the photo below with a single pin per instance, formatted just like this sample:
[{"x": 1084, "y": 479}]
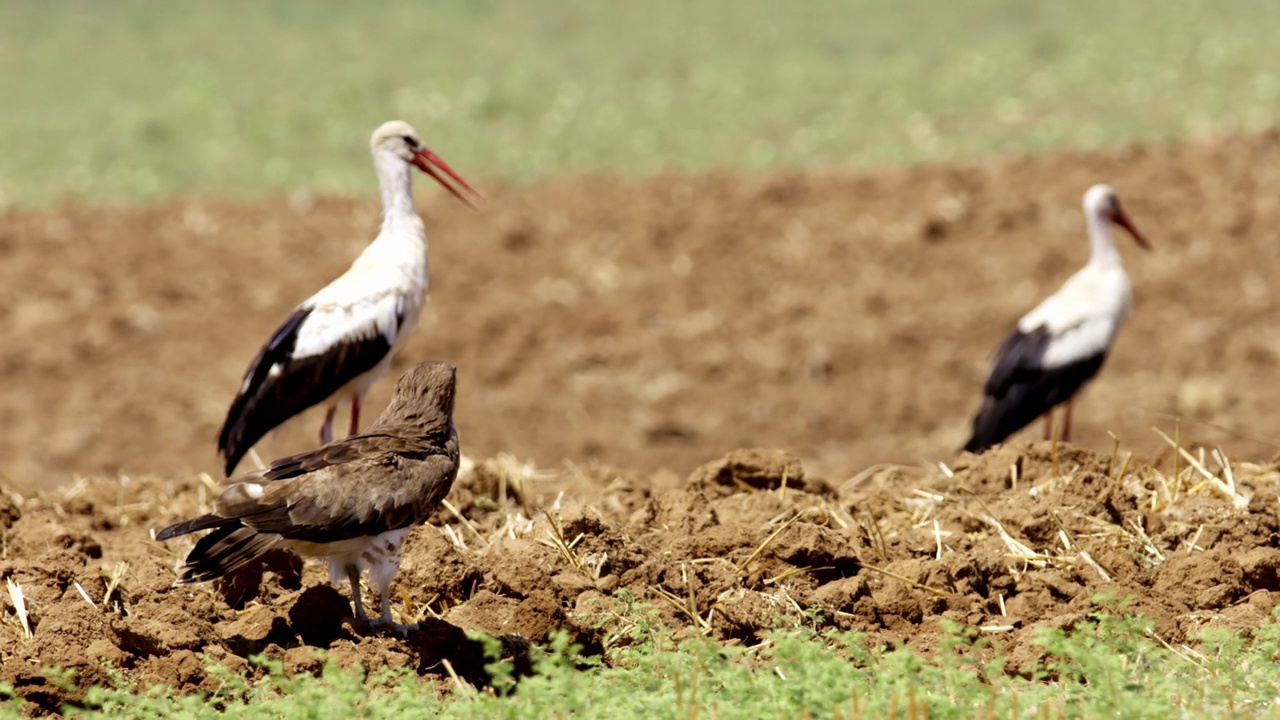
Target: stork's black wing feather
[
  {"x": 1021, "y": 389},
  {"x": 268, "y": 398}
]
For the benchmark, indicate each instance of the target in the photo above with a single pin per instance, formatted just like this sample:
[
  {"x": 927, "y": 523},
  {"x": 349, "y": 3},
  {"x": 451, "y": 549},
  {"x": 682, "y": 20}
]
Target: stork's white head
[
  {"x": 398, "y": 138},
  {"x": 1101, "y": 202}
]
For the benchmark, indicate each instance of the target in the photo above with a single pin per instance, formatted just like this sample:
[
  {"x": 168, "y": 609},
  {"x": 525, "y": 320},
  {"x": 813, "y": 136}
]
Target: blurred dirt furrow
[{"x": 653, "y": 323}]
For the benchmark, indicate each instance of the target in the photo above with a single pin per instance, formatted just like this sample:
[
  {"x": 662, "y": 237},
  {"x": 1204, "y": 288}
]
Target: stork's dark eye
[{"x": 412, "y": 143}]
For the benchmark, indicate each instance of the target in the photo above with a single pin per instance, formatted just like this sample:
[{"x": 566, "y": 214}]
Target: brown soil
[
  {"x": 1022, "y": 538},
  {"x": 655, "y": 324}
]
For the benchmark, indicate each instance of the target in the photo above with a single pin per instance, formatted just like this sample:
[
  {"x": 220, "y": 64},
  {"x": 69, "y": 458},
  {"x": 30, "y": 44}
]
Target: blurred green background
[{"x": 134, "y": 100}]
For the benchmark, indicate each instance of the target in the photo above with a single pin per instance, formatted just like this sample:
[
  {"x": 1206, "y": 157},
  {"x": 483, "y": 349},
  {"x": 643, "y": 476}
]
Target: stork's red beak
[
  {"x": 1122, "y": 219},
  {"x": 431, "y": 164}
]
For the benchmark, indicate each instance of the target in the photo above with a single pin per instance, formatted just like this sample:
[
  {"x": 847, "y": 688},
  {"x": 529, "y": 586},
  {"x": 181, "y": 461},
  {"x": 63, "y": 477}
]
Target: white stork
[
  {"x": 338, "y": 342},
  {"x": 1060, "y": 345},
  {"x": 353, "y": 501}
]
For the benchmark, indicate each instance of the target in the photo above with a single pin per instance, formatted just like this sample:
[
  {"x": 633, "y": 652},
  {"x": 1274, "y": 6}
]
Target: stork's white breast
[
  {"x": 365, "y": 302},
  {"x": 1083, "y": 317}
]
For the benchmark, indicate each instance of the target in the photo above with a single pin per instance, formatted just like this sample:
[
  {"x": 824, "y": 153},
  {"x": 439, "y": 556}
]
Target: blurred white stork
[
  {"x": 338, "y": 342},
  {"x": 1060, "y": 345}
]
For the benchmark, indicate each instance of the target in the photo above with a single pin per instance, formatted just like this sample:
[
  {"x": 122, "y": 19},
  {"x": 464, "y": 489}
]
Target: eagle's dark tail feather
[
  {"x": 204, "y": 522},
  {"x": 223, "y": 550}
]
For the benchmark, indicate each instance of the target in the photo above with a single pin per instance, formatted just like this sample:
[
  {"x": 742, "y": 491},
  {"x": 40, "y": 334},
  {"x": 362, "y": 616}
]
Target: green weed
[
  {"x": 1109, "y": 667},
  {"x": 139, "y": 99}
]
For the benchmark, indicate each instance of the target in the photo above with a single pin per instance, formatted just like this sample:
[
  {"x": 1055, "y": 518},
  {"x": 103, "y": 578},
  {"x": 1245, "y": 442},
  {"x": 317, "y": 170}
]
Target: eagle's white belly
[{"x": 379, "y": 554}]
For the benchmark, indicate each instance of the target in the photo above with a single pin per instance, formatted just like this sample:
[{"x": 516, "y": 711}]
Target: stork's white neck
[
  {"x": 396, "y": 182},
  {"x": 402, "y": 240},
  {"x": 1104, "y": 254}
]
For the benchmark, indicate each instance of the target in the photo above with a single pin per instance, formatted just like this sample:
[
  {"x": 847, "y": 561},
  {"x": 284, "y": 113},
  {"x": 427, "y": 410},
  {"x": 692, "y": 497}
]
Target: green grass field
[{"x": 139, "y": 99}]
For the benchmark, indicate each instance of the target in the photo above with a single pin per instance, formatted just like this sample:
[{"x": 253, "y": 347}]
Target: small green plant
[
  {"x": 501, "y": 671},
  {"x": 62, "y": 678},
  {"x": 1112, "y": 666},
  {"x": 633, "y": 622}
]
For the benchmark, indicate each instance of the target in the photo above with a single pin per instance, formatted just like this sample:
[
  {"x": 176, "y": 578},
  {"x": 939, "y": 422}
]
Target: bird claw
[
  {"x": 386, "y": 624},
  {"x": 403, "y": 630}
]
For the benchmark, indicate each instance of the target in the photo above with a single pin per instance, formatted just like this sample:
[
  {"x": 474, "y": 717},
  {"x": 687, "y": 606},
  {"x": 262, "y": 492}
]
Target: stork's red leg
[
  {"x": 326, "y": 430},
  {"x": 355, "y": 414},
  {"x": 1066, "y": 423}
]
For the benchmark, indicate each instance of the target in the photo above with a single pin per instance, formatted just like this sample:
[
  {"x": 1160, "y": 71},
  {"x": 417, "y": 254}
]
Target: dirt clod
[{"x": 755, "y": 468}]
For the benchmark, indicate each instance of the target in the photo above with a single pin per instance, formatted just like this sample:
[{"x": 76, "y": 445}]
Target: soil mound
[{"x": 1022, "y": 538}]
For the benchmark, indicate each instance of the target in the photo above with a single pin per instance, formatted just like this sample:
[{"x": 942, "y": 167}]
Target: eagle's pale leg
[
  {"x": 353, "y": 577},
  {"x": 386, "y": 606},
  {"x": 1048, "y": 425}
]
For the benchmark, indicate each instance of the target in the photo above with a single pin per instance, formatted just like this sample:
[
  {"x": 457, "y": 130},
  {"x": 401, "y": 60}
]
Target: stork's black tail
[{"x": 1001, "y": 417}]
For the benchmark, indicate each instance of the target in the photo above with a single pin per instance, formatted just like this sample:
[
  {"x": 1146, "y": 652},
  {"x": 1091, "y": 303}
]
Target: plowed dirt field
[{"x": 639, "y": 330}]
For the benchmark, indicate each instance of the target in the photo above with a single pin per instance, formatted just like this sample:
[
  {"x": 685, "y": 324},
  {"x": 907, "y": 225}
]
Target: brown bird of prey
[{"x": 353, "y": 501}]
